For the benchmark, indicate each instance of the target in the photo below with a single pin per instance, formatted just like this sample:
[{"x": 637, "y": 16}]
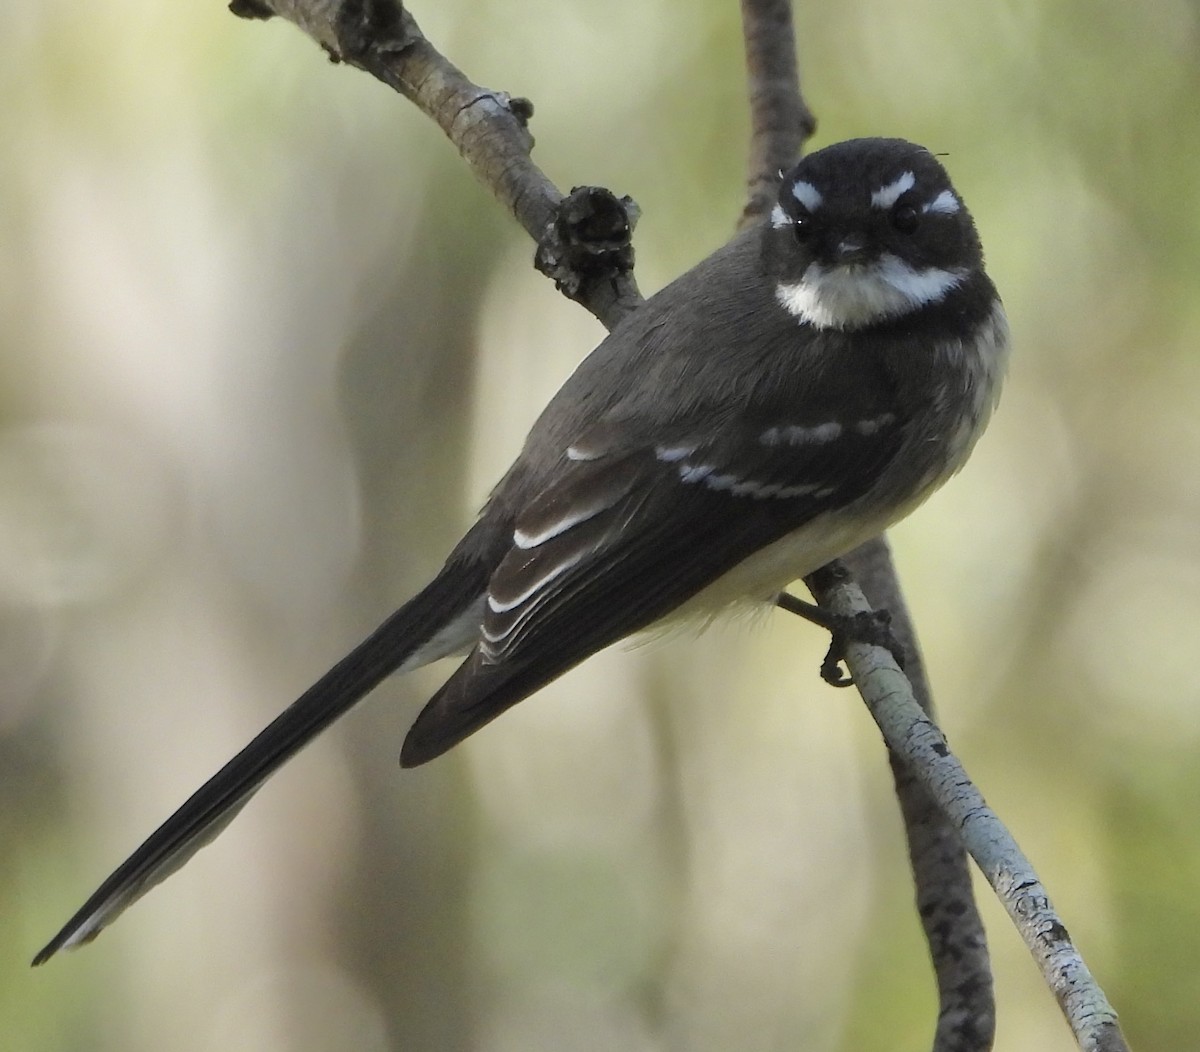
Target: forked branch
[{"x": 583, "y": 244}]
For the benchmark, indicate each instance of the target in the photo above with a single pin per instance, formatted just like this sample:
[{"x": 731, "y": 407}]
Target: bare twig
[
  {"x": 583, "y": 239},
  {"x": 918, "y": 743},
  {"x": 941, "y": 873},
  {"x": 780, "y": 120}
]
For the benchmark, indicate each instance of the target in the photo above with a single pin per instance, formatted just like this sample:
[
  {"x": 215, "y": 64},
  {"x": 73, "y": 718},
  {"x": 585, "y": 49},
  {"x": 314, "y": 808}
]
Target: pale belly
[{"x": 762, "y": 576}]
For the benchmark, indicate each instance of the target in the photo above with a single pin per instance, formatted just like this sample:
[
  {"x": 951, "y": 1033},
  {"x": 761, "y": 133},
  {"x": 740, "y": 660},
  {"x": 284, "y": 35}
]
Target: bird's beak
[{"x": 850, "y": 251}]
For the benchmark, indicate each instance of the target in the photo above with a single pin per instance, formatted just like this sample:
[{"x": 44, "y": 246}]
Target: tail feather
[{"x": 419, "y": 631}]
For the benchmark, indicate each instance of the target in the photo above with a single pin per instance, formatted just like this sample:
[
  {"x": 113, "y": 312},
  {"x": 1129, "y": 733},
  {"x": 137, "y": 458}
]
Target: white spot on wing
[
  {"x": 807, "y": 194},
  {"x": 837, "y": 531},
  {"x": 740, "y": 487},
  {"x": 796, "y": 435},
  {"x": 945, "y": 203},
  {"x": 888, "y": 195},
  {"x": 579, "y": 454},
  {"x": 670, "y": 454},
  {"x": 869, "y": 427},
  {"x": 561, "y": 568},
  {"x": 489, "y": 636},
  {"x": 525, "y": 541},
  {"x": 694, "y": 473},
  {"x": 720, "y": 482}
]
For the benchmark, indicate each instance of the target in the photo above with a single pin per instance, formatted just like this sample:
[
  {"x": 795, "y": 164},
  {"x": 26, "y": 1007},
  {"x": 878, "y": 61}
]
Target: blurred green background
[{"x": 265, "y": 347}]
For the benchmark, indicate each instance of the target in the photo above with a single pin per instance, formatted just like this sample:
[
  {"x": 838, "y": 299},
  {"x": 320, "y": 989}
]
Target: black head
[{"x": 868, "y": 230}]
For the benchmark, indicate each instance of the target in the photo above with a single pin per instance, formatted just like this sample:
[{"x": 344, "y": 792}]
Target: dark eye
[
  {"x": 802, "y": 226},
  {"x": 905, "y": 218}
]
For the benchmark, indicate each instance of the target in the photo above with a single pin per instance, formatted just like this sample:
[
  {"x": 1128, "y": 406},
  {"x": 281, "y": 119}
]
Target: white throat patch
[{"x": 852, "y": 297}]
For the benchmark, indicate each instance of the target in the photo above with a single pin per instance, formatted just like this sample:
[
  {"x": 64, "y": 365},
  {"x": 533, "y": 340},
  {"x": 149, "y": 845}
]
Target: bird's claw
[{"x": 873, "y": 627}]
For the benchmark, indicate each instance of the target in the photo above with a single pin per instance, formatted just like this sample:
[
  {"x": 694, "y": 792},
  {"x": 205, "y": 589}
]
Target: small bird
[{"x": 786, "y": 399}]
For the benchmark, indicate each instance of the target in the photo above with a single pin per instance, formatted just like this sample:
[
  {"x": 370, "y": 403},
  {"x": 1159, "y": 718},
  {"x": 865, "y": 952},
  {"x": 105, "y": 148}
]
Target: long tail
[{"x": 422, "y": 630}]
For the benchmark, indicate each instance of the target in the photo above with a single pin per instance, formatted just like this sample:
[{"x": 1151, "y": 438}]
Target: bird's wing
[{"x": 623, "y": 536}]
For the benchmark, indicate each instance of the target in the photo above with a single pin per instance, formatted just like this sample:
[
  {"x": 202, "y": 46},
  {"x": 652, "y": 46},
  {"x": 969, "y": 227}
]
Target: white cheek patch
[
  {"x": 888, "y": 195},
  {"x": 807, "y": 194},
  {"x": 918, "y": 287},
  {"x": 945, "y": 203},
  {"x": 779, "y": 218},
  {"x": 854, "y": 297}
]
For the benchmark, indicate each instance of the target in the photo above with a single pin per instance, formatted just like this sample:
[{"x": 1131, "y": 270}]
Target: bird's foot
[{"x": 873, "y": 627}]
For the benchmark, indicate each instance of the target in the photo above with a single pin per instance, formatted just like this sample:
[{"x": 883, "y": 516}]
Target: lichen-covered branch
[
  {"x": 921, "y": 747},
  {"x": 941, "y": 872}
]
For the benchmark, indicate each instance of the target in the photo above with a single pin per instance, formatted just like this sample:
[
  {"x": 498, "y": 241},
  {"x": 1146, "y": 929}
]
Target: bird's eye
[
  {"x": 905, "y": 218},
  {"x": 802, "y": 226}
]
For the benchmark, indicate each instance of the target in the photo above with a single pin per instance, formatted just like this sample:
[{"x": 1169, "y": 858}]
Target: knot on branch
[
  {"x": 589, "y": 241},
  {"x": 251, "y": 9},
  {"x": 369, "y": 29}
]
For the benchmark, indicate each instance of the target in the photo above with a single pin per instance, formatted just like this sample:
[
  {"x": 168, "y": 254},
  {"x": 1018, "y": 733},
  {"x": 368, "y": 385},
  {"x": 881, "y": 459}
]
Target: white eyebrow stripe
[
  {"x": 779, "y": 218},
  {"x": 945, "y": 203},
  {"x": 807, "y": 194},
  {"x": 886, "y": 196}
]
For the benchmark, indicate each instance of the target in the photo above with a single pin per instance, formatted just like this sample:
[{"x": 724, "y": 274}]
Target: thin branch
[
  {"x": 781, "y": 122},
  {"x": 941, "y": 873},
  {"x": 583, "y": 238},
  {"x": 918, "y": 743}
]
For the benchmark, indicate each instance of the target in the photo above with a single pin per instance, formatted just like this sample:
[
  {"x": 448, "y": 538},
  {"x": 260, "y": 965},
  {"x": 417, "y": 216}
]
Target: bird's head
[{"x": 866, "y": 231}]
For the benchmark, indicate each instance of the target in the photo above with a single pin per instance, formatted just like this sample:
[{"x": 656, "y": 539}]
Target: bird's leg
[{"x": 873, "y": 627}]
